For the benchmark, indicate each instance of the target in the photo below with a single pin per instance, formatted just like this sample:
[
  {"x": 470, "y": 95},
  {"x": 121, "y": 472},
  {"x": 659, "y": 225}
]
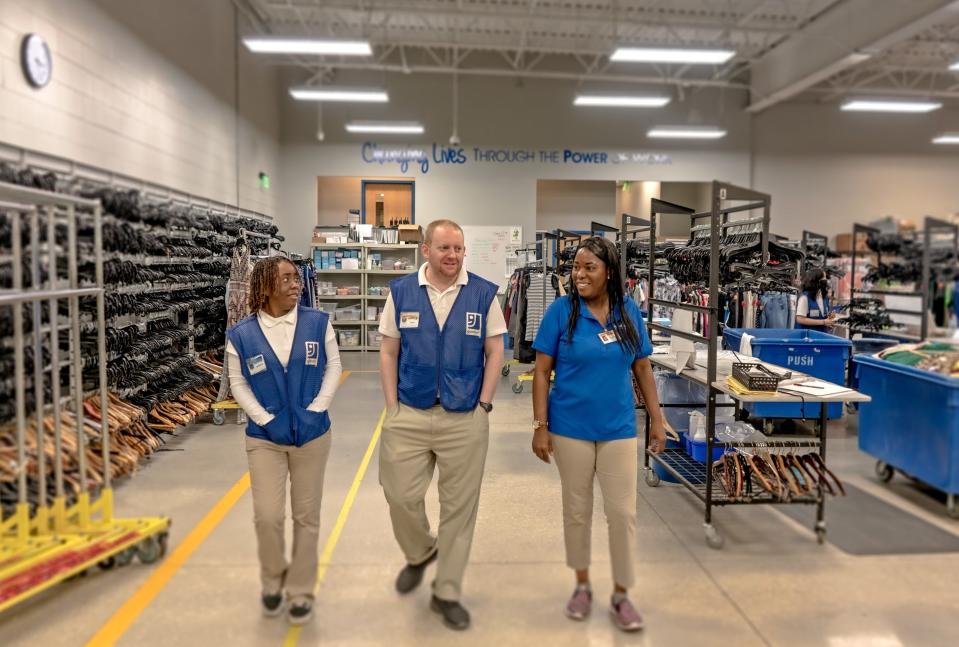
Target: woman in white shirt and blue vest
[
  {"x": 812, "y": 309},
  {"x": 284, "y": 368},
  {"x": 595, "y": 341}
]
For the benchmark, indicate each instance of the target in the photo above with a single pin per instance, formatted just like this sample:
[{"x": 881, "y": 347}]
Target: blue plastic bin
[
  {"x": 912, "y": 422},
  {"x": 697, "y": 450},
  {"x": 808, "y": 351},
  {"x": 659, "y": 469}
]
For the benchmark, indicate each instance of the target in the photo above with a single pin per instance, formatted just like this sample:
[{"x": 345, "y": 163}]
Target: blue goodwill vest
[
  {"x": 286, "y": 393},
  {"x": 448, "y": 362},
  {"x": 814, "y": 312}
]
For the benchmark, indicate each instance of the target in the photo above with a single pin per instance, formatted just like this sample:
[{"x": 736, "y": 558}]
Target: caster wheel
[
  {"x": 652, "y": 478},
  {"x": 952, "y": 509},
  {"x": 518, "y": 387},
  {"x": 148, "y": 550},
  {"x": 505, "y": 371},
  {"x": 884, "y": 471},
  {"x": 164, "y": 539},
  {"x": 219, "y": 416},
  {"x": 124, "y": 557},
  {"x": 820, "y": 536},
  {"x": 108, "y": 563},
  {"x": 713, "y": 539}
]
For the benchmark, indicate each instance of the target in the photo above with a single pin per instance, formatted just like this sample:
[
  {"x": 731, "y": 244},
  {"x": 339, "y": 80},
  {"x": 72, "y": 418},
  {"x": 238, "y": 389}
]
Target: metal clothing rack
[
  {"x": 57, "y": 541},
  {"x": 698, "y": 477},
  {"x": 931, "y": 226},
  {"x": 541, "y": 264}
]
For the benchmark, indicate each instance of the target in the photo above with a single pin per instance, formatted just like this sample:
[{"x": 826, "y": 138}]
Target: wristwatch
[
  {"x": 487, "y": 407},
  {"x": 539, "y": 424}
]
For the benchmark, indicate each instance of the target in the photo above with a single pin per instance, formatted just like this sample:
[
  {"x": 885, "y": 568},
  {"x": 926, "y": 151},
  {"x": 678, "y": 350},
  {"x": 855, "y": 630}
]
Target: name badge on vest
[
  {"x": 256, "y": 364},
  {"x": 312, "y": 353},
  {"x": 815, "y": 314},
  {"x": 607, "y": 337},
  {"x": 474, "y": 324},
  {"x": 409, "y": 320}
]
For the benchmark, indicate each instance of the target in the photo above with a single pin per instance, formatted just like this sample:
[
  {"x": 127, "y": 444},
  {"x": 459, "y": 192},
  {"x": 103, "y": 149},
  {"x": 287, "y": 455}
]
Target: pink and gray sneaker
[
  {"x": 580, "y": 604},
  {"x": 625, "y": 616}
]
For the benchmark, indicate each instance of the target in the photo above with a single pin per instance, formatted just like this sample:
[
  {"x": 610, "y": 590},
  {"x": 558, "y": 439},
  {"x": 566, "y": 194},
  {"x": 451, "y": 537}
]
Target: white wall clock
[{"x": 36, "y": 60}]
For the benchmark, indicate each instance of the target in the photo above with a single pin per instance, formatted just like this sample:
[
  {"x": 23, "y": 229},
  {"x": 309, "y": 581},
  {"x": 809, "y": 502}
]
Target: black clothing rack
[
  {"x": 810, "y": 239},
  {"x": 931, "y": 226},
  {"x": 698, "y": 477}
]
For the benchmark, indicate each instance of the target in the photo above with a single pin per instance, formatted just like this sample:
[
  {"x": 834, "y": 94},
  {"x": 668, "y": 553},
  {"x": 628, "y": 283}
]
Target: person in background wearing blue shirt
[{"x": 595, "y": 339}]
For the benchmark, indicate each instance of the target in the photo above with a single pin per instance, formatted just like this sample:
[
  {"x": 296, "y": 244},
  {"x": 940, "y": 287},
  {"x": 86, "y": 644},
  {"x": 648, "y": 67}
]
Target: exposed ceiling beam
[{"x": 839, "y": 39}]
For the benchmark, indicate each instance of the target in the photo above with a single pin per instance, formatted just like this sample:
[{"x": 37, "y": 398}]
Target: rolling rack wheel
[
  {"x": 124, "y": 557},
  {"x": 713, "y": 539},
  {"x": 884, "y": 471},
  {"x": 652, "y": 478},
  {"x": 951, "y": 508},
  {"x": 108, "y": 563},
  {"x": 148, "y": 550},
  {"x": 518, "y": 387},
  {"x": 505, "y": 370},
  {"x": 820, "y": 533},
  {"x": 164, "y": 539},
  {"x": 219, "y": 416}
]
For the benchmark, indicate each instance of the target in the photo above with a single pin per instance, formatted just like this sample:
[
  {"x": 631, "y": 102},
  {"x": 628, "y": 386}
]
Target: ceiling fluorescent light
[
  {"x": 357, "y": 95},
  {"x": 685, "y": 132},
  {"x": 664, "y": 55},
  {"x": 954, "y": 67},
  {"x": 872, "y": 105},
  {"x": 398, "y": 127},
  {"x": 947, "y": 138},
  {"x": 620, "y": 101},
  {"x": 275, "y": 45}
]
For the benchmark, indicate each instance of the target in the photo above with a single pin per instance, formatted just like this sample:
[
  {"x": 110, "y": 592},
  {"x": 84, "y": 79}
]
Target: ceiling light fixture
[
  {"x": 671, "y": 55},
  {"x": 385, "y": 127},
  {"x": 278, "y": 45},
  {"x": 889, "y": 105},
  {"x": 356, "y": 95},
  {"x": 620, "y": 101},
  {"x": 947, "y": 138},
  {"x": 954, "y": 67},
  {"x": 685, "y": 132}
]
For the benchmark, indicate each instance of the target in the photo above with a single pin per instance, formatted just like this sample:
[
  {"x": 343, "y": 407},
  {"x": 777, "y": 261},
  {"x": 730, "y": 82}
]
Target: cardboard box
[
  {"x": 410, "y": 234},
  {"x": 844, "y": 243},
  {"x": 319, "y": 240}
]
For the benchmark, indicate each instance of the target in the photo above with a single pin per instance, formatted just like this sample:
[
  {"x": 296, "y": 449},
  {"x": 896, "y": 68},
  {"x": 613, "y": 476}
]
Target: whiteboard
[{"x": 488, "y": 247}]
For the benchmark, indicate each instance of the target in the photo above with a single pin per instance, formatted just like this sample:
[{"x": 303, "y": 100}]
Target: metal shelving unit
[{"x": 367, "y": 279}]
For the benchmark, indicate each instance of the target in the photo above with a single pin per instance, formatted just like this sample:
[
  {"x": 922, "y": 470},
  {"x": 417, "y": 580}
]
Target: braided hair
[
  {"x": 263, "y": 280},
  {"x": 622, "y": 324}
]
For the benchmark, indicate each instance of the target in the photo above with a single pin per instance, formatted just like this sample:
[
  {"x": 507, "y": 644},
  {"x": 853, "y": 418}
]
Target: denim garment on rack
[{"x": 775, "y": 310}]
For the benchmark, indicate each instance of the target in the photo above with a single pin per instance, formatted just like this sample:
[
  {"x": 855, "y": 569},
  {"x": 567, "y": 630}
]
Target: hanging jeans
[{"x": 775, "y": 310}]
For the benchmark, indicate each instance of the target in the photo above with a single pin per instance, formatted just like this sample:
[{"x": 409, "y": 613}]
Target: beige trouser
[
  {"x": 270, "y": 465},
  {"x": 615, "y": 463},
  {"x": 415, "y": 441}
]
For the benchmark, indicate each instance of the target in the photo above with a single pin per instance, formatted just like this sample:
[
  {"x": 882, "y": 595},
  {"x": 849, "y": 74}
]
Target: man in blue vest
[{"x": 440, "y": 363}]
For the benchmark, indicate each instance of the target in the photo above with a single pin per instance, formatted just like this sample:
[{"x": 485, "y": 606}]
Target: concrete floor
[{"x": 771, "y": 584}]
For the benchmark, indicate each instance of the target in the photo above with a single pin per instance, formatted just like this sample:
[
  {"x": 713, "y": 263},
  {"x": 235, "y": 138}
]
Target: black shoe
[
  {"x": 455, "y": 616},
  {"x": 300, "y": 613},
  {"x": 272, "y": 603},
  {"x": 412, "y": 574}
]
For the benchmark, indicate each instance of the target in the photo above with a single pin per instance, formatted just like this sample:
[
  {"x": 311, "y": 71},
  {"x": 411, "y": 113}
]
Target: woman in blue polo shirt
[{"x": 594, "y": 339}]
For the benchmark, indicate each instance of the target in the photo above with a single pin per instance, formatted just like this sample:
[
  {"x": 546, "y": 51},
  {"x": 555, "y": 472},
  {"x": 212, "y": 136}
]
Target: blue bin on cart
[
  {"x": 807, "y": 351},
  {"x": 912, "y": 422}
]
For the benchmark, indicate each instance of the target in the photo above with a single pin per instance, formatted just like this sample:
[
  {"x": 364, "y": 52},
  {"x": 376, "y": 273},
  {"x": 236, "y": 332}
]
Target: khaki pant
[
  {"x": 415, "y": 441},
  {"x": 270, "y": 465},
  {"x": 615, "y": 463}
]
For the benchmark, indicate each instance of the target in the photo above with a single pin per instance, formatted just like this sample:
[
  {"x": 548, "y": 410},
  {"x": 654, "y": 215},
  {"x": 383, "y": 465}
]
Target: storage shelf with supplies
[{"x": 377, "y": 264}]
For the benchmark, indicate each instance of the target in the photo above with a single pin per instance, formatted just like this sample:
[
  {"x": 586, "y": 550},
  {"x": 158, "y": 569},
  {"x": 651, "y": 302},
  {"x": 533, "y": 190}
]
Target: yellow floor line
[
  {"x": 293, "y": 635},
  {"x": 125, "y": 616}
]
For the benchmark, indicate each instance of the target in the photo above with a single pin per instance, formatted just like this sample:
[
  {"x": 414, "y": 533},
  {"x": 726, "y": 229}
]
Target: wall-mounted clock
[{"x": 36, "y": 60}]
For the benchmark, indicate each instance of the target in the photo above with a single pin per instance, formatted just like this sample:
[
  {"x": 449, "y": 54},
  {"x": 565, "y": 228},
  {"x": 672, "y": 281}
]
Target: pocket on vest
[
  {"x": 416, "y": 375},
  {"x": 463, "y": 384}
]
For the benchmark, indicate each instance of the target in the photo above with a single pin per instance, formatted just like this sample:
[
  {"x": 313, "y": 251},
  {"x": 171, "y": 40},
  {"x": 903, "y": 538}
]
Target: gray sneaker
[
  {"x": 580, "y": 604},
  {"x": 272, "y": 603},
  {"x": 625, "y": 616}
]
